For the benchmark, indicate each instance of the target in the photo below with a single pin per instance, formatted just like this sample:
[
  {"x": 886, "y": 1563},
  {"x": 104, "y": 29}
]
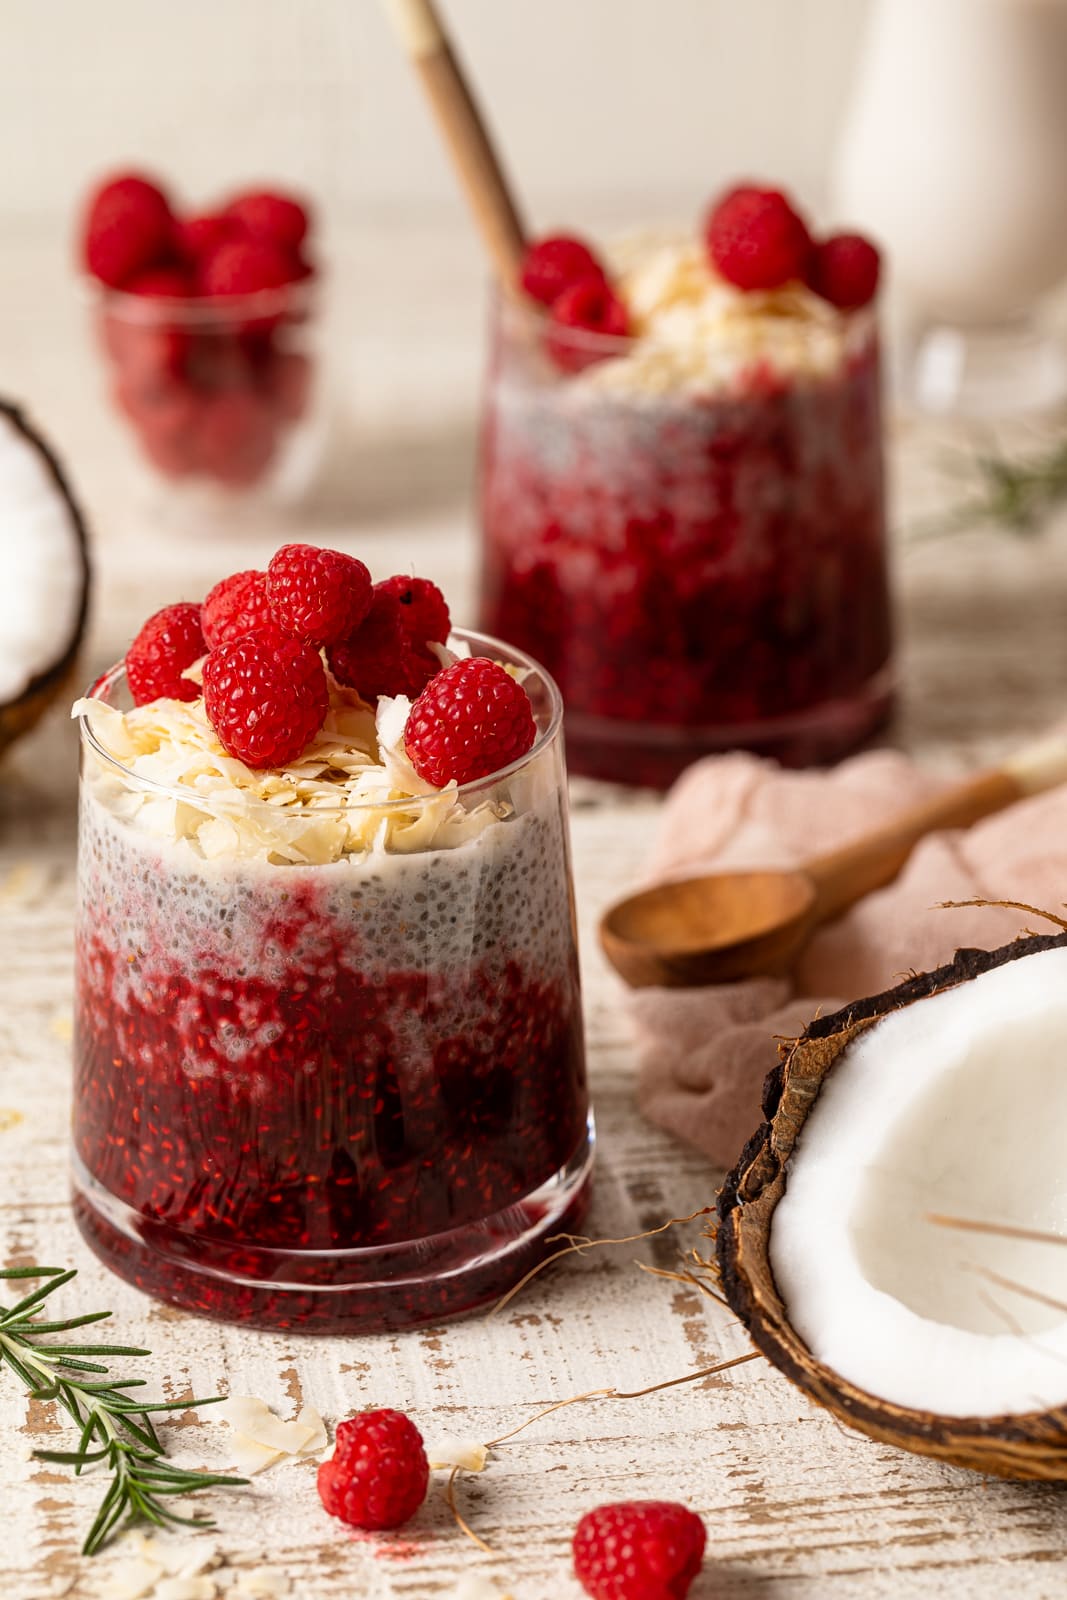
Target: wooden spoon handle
[
  {"x": 844, "y": 876},
  {"x": 423, "y": 36}
]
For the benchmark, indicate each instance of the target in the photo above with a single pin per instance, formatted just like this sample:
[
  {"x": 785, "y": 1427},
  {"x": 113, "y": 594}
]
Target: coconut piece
[
  {"x": 947, "y": 1096},
  {"x": 448, "y": 1451},
  {"x": 44, "y": 576}
]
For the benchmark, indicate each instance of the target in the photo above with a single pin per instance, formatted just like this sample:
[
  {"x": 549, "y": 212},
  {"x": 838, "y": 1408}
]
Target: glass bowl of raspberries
[
  {"x": 682, "y": 490},
  {"x": 206, "y": 326}
]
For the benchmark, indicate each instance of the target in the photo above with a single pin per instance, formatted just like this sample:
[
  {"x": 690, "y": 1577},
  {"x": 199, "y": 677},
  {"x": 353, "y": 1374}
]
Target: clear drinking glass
[
  {"x": 340, "y": 1095},
  {"x": 220, "y": 396},
  {"x": 698, "y": 570}
]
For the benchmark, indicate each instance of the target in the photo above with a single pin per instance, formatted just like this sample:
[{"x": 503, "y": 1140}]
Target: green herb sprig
[
  {"x": 1013, "y": 493},
  {"x": 116, "y": 1428}
]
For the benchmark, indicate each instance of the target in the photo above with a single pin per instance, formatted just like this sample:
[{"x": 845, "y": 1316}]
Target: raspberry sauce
[
  {"x": 697, "y": 572},
  {"x": 340, "y": 1096}
]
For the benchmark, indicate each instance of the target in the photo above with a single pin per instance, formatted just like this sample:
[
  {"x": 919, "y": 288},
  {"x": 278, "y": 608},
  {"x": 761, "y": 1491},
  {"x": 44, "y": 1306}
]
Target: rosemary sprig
[
  {"x": 1013, "y": 493},
  {"x": 116, "y": 1427}
]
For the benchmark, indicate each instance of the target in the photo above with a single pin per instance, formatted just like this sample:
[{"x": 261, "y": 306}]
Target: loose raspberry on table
[
  {"x": 423, "y": 608},
  {"x": 638, "y": 1550},
  {"x": 554, "y": 264},
  {"x": 273, "y": 216},
  {"x": 128, "y": 227},
  {"x": 379, "y": 658},
  {"x": 242, "y": 266},
  {"x": 378, "y": 1475},
  {"x": 845, "y": 269},
  {"x": 470, "y": 720},
  {"x": 236, "y": 606},
  {"x": 266, "y": 697},
  {"x": 756, "y": 240},
  {"x": 170, "y": 641},
  {"x": 318, "y": 595},
  {"x": 589, "y": 307}
]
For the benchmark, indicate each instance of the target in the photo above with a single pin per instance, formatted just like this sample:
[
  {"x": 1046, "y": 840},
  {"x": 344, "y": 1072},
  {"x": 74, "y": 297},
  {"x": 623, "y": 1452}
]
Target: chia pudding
[
  {"x": 687, "y": 524},
  {"x": 328, "y": 1064}
]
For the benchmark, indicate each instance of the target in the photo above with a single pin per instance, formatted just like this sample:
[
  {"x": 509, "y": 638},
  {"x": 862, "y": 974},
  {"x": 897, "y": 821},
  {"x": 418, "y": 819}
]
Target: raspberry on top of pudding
[
  {"x": 303, "y": 705},
  {"x": 700, "y": 312}
]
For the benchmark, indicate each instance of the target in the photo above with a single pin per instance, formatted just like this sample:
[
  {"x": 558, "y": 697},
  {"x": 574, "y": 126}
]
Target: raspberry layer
[
  {"x": 320, "y": 1059},
  {"x": 695, "y": 571}
]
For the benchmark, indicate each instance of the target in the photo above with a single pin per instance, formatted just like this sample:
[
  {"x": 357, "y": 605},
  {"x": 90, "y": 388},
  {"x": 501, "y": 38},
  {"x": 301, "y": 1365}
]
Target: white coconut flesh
[
  {"x": 42, "y": 575},
  {"x": 953, "y": 1105}
]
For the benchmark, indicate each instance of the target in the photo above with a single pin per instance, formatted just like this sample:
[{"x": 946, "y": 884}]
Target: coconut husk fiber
[{"x": 704, "y": 1053}]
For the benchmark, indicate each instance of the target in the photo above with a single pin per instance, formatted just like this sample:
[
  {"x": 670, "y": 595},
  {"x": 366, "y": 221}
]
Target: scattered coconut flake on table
[
  {"x": 476, "y": 1586},
  {"x": 448, "y": 1451},
  {"x": 62, "y": 1026},
  {"x": 186, "y": 1589},
  {"x": 26, "y": 884},
  {"x": 261, "y": 1439},
  {"x": 271, "y": 1583}
]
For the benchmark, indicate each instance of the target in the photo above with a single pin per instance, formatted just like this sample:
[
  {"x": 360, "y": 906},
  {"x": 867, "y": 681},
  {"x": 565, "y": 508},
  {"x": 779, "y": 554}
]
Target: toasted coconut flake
[{"x": 448, "y": 1451}]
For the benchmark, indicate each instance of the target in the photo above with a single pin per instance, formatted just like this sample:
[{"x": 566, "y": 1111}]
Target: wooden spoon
[
  {"x": 464, "y": 130},
  {"x": 729, "y": 925}
]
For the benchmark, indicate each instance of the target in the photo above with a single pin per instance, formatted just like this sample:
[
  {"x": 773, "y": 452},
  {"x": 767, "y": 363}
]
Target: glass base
[
  {"x": 641, "y": 753},
  {"x": 369, "y": 1290},
  {"x": 988, "y": 372}
]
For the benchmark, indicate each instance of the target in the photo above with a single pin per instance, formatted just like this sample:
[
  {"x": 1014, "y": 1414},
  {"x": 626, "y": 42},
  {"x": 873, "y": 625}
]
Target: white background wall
[{"x": 603, "y": 107}]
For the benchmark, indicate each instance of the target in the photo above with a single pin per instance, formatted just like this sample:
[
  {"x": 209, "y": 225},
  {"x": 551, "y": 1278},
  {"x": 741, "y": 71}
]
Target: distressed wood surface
[{"x": 795, "y": 1505}]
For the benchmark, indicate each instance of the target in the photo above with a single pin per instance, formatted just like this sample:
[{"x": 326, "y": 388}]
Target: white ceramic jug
[{"x": 954, "y": 153}]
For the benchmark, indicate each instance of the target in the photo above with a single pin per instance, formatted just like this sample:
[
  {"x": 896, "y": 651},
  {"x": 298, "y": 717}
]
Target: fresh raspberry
[
  {"x": 265, "y": 696},
  {"x": 236, "y": 606},
  {"x": 197, "y": 237},
  {"x": 378, "y": 658},
  {"x": 471, "y": 719},
  {"x": 319, "y": 595},
  {"x": 277, "y": 217},
  {"x": 128, "y": 227},
  {"x": 554, "y": 264},
  {"x": 844, "y": 269},
  {"x": 591, "y": 307},
  {"x": 638, "y": 1550},
  {"x": 756, "y": 240},
  {"x": 161, "y": 283},
  {"x": 170, "y": 641},
  {"x": 378, "y": 1475},
  {"x": 423, "y": 608},
  {"x": 246, "y": 266},
  {"x": 234, "y": 436}
]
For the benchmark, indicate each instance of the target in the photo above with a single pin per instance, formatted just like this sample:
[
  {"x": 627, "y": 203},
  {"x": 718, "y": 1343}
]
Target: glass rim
[
  {"x": 533, "y": 317},
  {"x": 210, "y": 310},
  {"x": 248, "y": 803}
]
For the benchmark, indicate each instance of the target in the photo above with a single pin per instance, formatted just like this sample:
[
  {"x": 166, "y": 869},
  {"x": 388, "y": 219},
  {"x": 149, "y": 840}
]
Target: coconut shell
[
  {"x": 18, "y": 716},
  {"x": 1028, "y": 1446}
]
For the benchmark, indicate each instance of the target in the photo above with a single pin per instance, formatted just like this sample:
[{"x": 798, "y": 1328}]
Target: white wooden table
[{"x": 794, "y": 1505}]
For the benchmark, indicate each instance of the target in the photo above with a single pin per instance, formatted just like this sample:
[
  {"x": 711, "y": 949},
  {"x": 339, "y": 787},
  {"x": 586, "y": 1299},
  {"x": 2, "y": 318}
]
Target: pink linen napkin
[{"x": 703, "y": 1053}]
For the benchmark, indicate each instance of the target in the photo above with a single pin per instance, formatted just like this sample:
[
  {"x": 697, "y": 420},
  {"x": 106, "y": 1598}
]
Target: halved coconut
[
  {"x": 944, "y": 1098},
  {"x": 44, "y": 576}
]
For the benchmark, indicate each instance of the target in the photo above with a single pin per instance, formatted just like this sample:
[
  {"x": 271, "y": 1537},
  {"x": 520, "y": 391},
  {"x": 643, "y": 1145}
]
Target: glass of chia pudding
[
  {"x": 329, "y": 1065},
  {"x": 682, "y": 491}
]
